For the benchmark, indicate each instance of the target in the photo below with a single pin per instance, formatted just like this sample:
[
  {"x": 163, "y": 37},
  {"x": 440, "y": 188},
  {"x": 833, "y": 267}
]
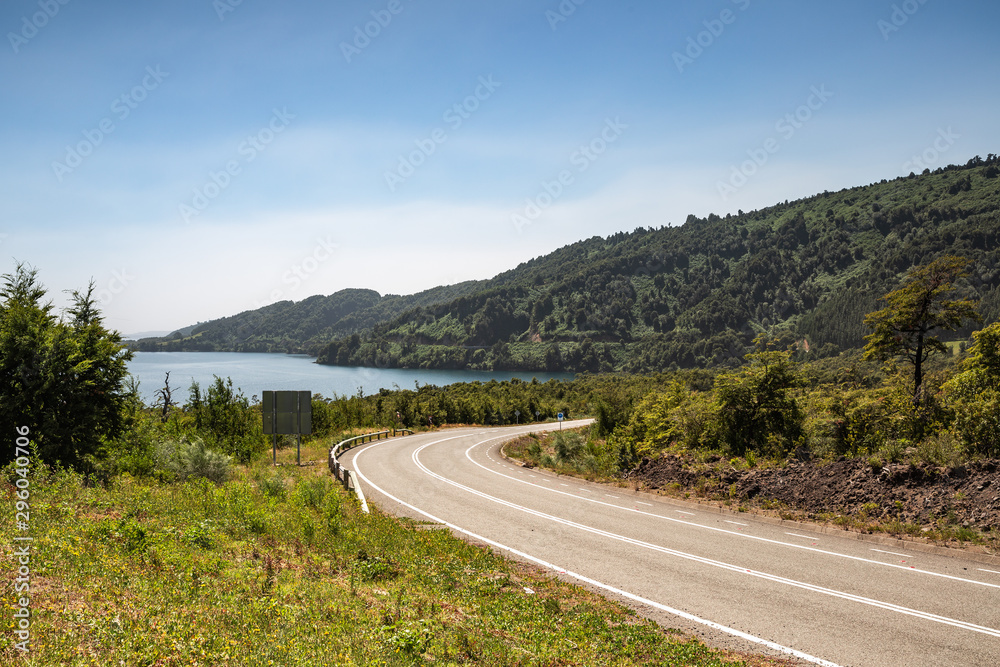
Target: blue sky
[{"x": 199, "y": 158}]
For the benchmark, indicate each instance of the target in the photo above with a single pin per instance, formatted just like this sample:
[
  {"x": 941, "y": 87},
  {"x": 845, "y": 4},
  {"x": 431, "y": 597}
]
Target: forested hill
[
  {"x": 698, "y": 294},
  {"x": 304, "y": 326}
]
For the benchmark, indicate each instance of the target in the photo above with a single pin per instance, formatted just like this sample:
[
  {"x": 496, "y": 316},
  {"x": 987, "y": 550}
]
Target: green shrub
[
  {"x": 272, "y": 486},
  {"x": 200, "y": 534},
  {"x": 569, "y": 445},
  {"x": 190, "y": 459},
  {"x": 975, "y": 395},
  {"x": 756, "y": 412},
  {"x": 309, "y": 492},
  {"x": 227, "y": 420}
]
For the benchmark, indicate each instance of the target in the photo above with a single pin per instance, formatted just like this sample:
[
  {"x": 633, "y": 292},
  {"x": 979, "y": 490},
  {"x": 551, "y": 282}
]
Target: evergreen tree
[{"x": 64, "y": 379}]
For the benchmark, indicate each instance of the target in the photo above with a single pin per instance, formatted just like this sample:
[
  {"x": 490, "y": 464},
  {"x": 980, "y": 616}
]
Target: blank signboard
[{"x": 287, "y": 412}]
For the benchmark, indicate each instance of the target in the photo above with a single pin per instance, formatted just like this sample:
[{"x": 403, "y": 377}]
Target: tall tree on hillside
[
  {"x": 916, "y": 312},
  {"x": 64, "y": 380}
]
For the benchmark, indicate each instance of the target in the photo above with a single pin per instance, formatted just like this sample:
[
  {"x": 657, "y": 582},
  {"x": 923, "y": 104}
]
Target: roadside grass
[{"x": 280, "y": 567}]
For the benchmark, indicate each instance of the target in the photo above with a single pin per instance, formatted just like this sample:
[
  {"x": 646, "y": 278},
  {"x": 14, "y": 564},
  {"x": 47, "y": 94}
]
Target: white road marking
[
  {"x": 990, "y": 571},
  {"x": 683, "y": 512},
  {"x": 707, "y": 527},
  {"x": 802, "y": 536},
  {"x": 892, "y": 553},
  {"x": 730, "y": 532},
  {"x": 964, "y": 625},
  {"x": 642, "y": 503},
  {"x": 737, "y": 523},
  {"x": 593, "y": 582}
]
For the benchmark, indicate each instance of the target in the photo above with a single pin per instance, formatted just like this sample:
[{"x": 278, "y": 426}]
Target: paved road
[{"x": 821, "y": 598}]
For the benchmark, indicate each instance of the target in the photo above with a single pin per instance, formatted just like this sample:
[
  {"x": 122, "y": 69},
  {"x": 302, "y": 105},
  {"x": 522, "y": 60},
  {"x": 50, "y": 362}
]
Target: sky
[{"x": 199, "y": 158}]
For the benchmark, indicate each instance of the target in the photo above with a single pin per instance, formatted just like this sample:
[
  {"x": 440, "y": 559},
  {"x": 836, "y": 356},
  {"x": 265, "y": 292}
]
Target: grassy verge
[{"x": 279, "y": 567}]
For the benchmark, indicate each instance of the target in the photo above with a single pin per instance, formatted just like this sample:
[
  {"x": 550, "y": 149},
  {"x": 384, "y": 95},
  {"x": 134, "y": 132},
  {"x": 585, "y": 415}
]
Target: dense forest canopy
[{"x": 674, "y": 297}]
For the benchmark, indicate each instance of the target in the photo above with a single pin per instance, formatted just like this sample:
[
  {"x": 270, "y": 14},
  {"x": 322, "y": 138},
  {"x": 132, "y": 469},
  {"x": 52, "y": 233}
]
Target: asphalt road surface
[{"x": 739, "y": 582}]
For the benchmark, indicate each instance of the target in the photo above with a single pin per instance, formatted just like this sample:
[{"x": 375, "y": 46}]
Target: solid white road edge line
[{"x": 593, "y": 582}]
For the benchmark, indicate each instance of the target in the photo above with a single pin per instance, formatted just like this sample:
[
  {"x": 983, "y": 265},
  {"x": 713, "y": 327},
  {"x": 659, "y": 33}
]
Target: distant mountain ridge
[
  {"x": 693, "y": 295},
  {"x": 299, "y": 327}
]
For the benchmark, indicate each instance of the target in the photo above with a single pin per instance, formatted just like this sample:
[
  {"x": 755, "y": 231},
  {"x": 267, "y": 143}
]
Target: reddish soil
[{"x": 919, "y": 495}]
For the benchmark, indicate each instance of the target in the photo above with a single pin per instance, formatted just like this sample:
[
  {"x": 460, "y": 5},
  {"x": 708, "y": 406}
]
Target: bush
[
  {"x": 975, "y": 396},
  {"x": 226, "y": 419},
  {"x": 756, "y": 412},
  {"x": 568, "y": 445},
  {"x": 188, "y": 459},
  {"x": 977, "y": 423},
  {"x": 272, "y": 486}
]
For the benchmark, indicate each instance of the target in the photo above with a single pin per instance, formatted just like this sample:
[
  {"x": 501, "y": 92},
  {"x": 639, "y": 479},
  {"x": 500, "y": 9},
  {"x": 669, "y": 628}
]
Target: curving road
[{"x": 744, "y": 583}]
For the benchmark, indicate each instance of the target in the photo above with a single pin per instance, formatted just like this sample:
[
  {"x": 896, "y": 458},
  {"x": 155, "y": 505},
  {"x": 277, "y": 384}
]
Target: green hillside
[
  {"x": 649, "y": 300},
  {"x": 697, "y": 295},
  {"x": 303, "y": 326}
]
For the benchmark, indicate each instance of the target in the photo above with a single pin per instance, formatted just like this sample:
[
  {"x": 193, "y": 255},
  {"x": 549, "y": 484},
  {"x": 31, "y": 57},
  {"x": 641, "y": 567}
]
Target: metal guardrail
[{"x": 344, "y": 474}]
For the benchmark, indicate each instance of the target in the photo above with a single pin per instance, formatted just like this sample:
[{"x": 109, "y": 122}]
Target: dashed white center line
[
  {"x": 892, "y": 553},
  {"x": 737, "y": 523},
  {"x": 611, "y": 496},
  {"x": 683, "y": 512},
  {"x": 990, "y": 571},
  {"x": 564, "y": 485},
  {"x": 639, "y": 502}
]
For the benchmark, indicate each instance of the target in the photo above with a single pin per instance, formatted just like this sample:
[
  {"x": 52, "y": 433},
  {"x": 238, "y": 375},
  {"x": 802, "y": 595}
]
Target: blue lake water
[{"x": 254, "y": 373}]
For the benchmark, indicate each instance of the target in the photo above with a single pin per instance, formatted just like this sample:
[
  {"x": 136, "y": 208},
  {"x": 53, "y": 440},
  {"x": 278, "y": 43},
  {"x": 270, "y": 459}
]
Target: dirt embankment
[{"x": 923, "y": 496}]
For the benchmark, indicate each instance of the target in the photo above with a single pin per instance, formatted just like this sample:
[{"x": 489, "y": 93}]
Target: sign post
[
  {"x": 287, "y": 413},
  {"x": 560, "y": 420}
]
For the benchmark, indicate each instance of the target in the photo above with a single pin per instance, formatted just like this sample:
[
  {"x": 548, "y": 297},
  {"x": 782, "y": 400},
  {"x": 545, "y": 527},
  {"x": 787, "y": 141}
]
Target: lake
[{"x": 254, "y": 373}]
